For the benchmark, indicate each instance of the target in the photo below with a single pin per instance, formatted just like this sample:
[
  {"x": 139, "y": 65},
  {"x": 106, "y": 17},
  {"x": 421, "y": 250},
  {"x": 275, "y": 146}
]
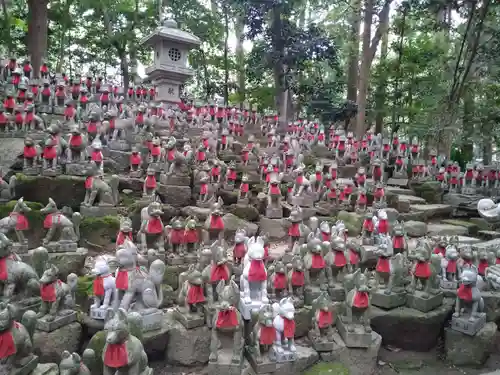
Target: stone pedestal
[
  {"x": 152, "y": 321},
  {"x": 31, "y": 171},
  {"x": 302, "y": 201},
  {"x": 119, "y": 145},
  {"x": 58, "y": 322},
  {"x": 388, "y": 301},
  {"x": 466, "y": 326},
  {"x": 282, "y": 354},
  {"x": 224, "y": 364},
  {"x": 61, "y": 247},
  {"x": 19, "y": 248},
  {"x": 76, "y": 169},
  {"x": 45, "y": 108},
  {"x": 247, "y": 308},
  {"x": 189, "y": 319},
  {"x": 448, "y": 285},
  {"x": 274, "y": 213},
  {"x": 417, "y": 302},
  {"x": 32, "y": 303},
  {"x": 326, "y": 343},
  {"x": 398, "y": 180},
  {"x": 337, "y": 293},
  {"x": 175, "y": 179},
  {"x": 178, "y": 196},
  {"x": 136, "y": 174},
  {"x": 27, "y": 369},
  {"x": 98, "y": 211},
  {"x": 354, "y": 335},
  {"x": 51, "y": 172},
  {"x": 262, "y": 366},
  {"x": 98, "y": 313},
  {"x": 243, "y": 201}
]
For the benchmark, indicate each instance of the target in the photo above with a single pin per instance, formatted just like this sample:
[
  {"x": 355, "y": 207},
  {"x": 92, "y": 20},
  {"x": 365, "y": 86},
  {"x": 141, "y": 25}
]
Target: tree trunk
[
  {"x": 226, "y": 58},
  {"x": 278, "y": 70},
  {"x": 381, "y": 87},
  {"x": 468, "y": 123},
  {"x": 37, "y": 32},
  {"x": 353, "y": 53},
  {"x": 239, "y": 27}
]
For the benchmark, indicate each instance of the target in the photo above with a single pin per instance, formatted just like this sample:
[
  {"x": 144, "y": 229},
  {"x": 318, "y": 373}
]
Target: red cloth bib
[
  {"x": 353, "y": 257},
  {"x": 3, "y": 269},
  {"x": 360, "y": 300},
  {"x": 98, "y": 286},
  {"x": 120, "y": 239},
  {"x": 244, "y": 188},
  {"x": 275, "y": 190},
  {"x": 96, "y": 156},
  {"x": 289, "y": 328},
  {"x": 116, "y": 355},
  {"x": 481, "y": 267},
  {"x": 452, "y": 266},
  {"x": 195, "y": 294},
  {"x": 325, "y": 318},
  {"x": 383, "y": 265},
  {"x": 368, "y": 225},
  {"x": 318, "y": 262},
  {"x": 340, "y": 260},
  {"x": 398, "y": 242},
  {"x": 7, "y": 344},
  {"x": 279, "y": 281},
  {"x": 88, "y": 182},
  {"x": 121, "y": 281},
  {"x": 135, "y": 159},
  {"x": 203, "y": 189},
  {"x": 239, "y": 250},
  {"x": 257, "y": 271},
  {"x": 227, "y": 319},
  {"x": 76, "y": 140},
  {"x": 423, "y": 270},
  {"x": 267, "y": 335},
  {"x": 49, "y": 153},
  {"x": 29, "y": 152},
  {"x": 297, "y": 278},
  {"x": 231, "y": 175},
  {"x": 439, "y": 250},
  {"x": 191, "y": 236},
  {"x": 218, "y": 273},
  {"x": 155, "y": 225},
  {"x": 216, "y": 222},
  {"x": 383, "y": 226},
  {"x": 48, "y": 292},
  {"x": 177, "y": 236},
  {"x": 294, "y": 230},
  {"x": 465, "y": 292},
  {"x": 21, "y": 221},
  {"x": 325, "y": 236},
  {"x": 170, "y": 153}
]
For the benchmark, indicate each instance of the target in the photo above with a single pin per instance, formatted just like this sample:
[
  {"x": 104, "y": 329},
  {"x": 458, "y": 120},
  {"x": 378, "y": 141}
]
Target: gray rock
[
  {"x": 463, "y": 350},
  {"x": 50, "y": 345},
  {"x": 46, "y": 369},
  {"x": 487, "y": 245},
  {"x": 405, "y": 201},
  {"x": 356, "y": 361},
  {"x": 306, "y": 357},
  {"x": 411, "y": 329},
  {"x": 274, "y": 227},
  {"x": 446, "y": 230},
  {"x": 188, "y": 347},
  {"x": 244, "y": 211},
  {"x": 392, "y": 214},
  {"x": 462, "y": 203},
  {"x": 233, "y": 222},
  {"x": 415, "y": 228},
  {"x": 70, "y": 262},
  {"x": 431, "y": 211},
  {"x": 177, "y": 196},
  {"x": 200, "y": 212},
  {"x": 10, "y": 152}
]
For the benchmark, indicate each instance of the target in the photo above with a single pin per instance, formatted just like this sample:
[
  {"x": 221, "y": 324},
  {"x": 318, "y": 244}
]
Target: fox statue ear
[
  {"x": 110, "y": 314},
  {"x": 65, "y": 354}
]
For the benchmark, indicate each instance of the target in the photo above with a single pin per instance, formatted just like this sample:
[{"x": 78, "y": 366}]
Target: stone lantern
[{"x": 169, "y": 70}]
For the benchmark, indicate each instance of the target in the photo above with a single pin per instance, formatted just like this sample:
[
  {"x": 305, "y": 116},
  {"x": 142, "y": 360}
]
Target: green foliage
[{"x": 327, "y": 368}]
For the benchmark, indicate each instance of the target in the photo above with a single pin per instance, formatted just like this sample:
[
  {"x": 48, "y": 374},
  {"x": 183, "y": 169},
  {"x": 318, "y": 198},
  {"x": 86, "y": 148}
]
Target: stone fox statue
[
  {"x": 73, "y": 364},
  {"x": 57, "y": 297},
  {"x": 123, "y": 353},
  {"x": 98, "y": 189},
  {"x": 16, "y": 340},
  {"x": 468, "y": 294},
  {"x": 55, "y": 219},
  {"x": 18, "y": 279}
]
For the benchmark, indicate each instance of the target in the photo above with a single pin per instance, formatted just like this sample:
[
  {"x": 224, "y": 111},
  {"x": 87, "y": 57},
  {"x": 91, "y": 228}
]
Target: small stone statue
[
  {"x": 379, "y": 198},
  {"x": 240, "y": 246},
  {"x": 31, "y": 155},
  {"x": 399, "y": 242},
  {"x": 368, "y": 229},
  {"x": 214, "y": 224},
  {"x": 152, "y": 227},
  {"x": 73, "y": 364},
  {"x": 192, "y": 299},
  {"x": 274, "y": 210},
  {"x": 56, "y": 221},
  {"x": 125, "y": 231},
  {"x": 314, "y": 268},
  {"x": 243, "y": 192},
  {"x": 104, "y": 289},
  {"x": 175, "y": 236},
  {"x": 277, "y": 281},
  {"x": 57, "y": 300},
  {"x": 284, "y": 349},
  {"x": 123, "y": 353},
  {"x": 469, "y": 316},
  {"x": 323, "y": 322},
  {"x": 18, "y": 222},
  {"x": 191, "y": 238},
  {"x": 150, "y": 185},
  {"x": 361, "y": 201},
  {"x": 135, "y": 163},
  {"x": 449, "y": 269},
  {"x": 16, "y": 341},
  {"x": 262, "y": 339},
  {"x": 98, "y": 190},
  {"x": 77, "y": 144},
  {"x": 296, "y": 281}
]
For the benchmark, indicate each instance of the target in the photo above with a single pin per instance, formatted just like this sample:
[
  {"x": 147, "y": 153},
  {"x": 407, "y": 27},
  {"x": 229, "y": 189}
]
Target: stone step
[
  {"x": 399, "y": 191},
  {"x": 431, "y": 211},
  {"x": 446, "y": 230},
  {"x": 471, "y": 227},
  {"x": 405, "y": 202},
  {"x": 488, "y": 234},
  {"x": 464, "y": 240},
  {"x": 491, "y": 245}
]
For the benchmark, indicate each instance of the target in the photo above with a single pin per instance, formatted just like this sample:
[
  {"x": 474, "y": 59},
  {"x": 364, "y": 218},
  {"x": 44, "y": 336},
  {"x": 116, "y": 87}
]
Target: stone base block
[
  {"x": 119, "y": 145},
  {"x": 224, "y": 364},
  {"x": 417, "y": 302},
  {"x": 52, "y": 172},
  {"x": 58, "y": 322},
  {"x": 301, "y": 201},
  {"x": 20, "y": 248},
  {"x": 152, "y": 321},
  {"x": 178, "y": 196},
  {"x": 76, "y": 169},
  {"x": 310, "y": 294},
  {"x": 388, "y": 301},
  {"x": 262, "y": 365},
  {"x": 274, "y": 213},
  {"x": 399, "y": 180},
  {"x": 337, "y": 293},
  {"x": 98, "y": 211},
  {"x": 175, "y": 260},
  {"x": 243, "y": 201},
  {"x": 190, "y": 258},
  {"x": 280, "y": 355},
  {"x": 354, "y": 335},
  {"x": 45, "y": 108},
  {"x": 449, "y": 285},
  {"x": 467, "y": 326},
  {"x": 98, "y": 313},
  {"x": 189, "y": 319},
  {"x": 27, "y": 369},
  {"x": 62, "y": 247},
  {"x": 326, "y": 344},
  {"x": 59, "y": 109},
  {"x": 466, "y": 350},
  {"x": 247, "y": 308},
  {"x": 32, "y": 171},
  {"x": 136, "y": 174}
]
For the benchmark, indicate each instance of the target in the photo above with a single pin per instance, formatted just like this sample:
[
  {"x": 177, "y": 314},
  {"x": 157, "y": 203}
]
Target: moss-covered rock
[
  {"x": 97, "y": 343},
  {"x": 244, "y": 211},
  {"x": 328, "y": 368},
  {"x": 99, "y": 233},
  {"x": 353, "y": 222},
  {"x": 431, "y": 191}
]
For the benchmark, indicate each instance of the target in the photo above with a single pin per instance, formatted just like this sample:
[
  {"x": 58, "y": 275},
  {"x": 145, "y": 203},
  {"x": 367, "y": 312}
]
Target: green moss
[
  {"x": 84, "y": 286},
  {"x": 35, "y": 217},
  {"x": 471, "y": 227},
  {"x": 90, "y": 224},
  {"x": 97, "y": 343},
  {"x": 23, "y": 178},
  {"x": 327, "y": 368},
  {"x": 127, "y": 201}
]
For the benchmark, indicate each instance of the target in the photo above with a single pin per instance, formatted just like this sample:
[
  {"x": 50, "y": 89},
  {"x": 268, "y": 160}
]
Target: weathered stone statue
[
  {"x": 274, "y": 210},
  {"x": 284, "y": 349},
  {"x": 399, "y": 241},
  {"x": 296, "y": 281},
  {"x": 469, "y": 317},
  {"x": 73, "y": 364},
  {"x": 240, "y": 246},
  {"x": 314, "y": 269},
  {"x": 214, "y": 224},
  {"x": 57, "y": 300},
  {"x": 262, "y": 340},
  {"x": 98, "y": 190},
  {"x": 277, "y": 280},
  {"x": 175, "y": 237},
  {"x": 152, "y": 229},
  {"x": 150, "y": 185},
  {"x": 123, "y": 353},
  {"x": 56, "y": 221},
  {"x": 17, "y": 222},
  {"x": 354, "y": 325},
  {"x": 31, "y": 155},
  {"x": 449, "y": 268},
  {"x": 76, "y": 152},
  {"x": 103, "y": 288},
  {"x": 192, "y": 299},
  {"x": 323, "y": 323},
  {"x": 16, "y": 341}
]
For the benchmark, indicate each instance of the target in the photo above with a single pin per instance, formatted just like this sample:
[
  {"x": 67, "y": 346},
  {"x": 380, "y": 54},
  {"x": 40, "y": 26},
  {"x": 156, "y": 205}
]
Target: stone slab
[
  {"x": 388, "y": 301},
  {"x": 446, "y": 230},
  {"x": 27, "y": 369},
  {"x": 465, "y": 240},
  {"x": 61, "y": 247},
  {"x": 224, "y": 364},
  {"x": 417, "y": 302},
  {"x": 153, "y": 321},
  {"x": 487, "y": 245},
  {"x": 187, "y": 319},
  {"x": 399, "y": 191},
  {"x": 470, "y": 328},
  {"x": 58, "y": 322},
  {"x": 402, "y": 182},
  {"x": 283, "y": 355},
  {"x": 488, "y": 234},
  {"x": 98, "y": 211},
  {"x": 432, "y": 210},
  {"x": 265, "y": 365},
  {"x": 358, "y": 338}
]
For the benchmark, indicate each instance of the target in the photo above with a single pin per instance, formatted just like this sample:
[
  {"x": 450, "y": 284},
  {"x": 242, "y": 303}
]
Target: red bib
[
  {"x": 368, "y": 225},
  {"x": 383, "y": 265},
  {"x": 76, "y": 140},
  {"x": 244, "y": 188},
  {"x": 340, "y": 260},
  {"x": 216, "y": 222},
  {"x": 275, "y": 190},
  {"x": 88, "y": 182},
  {"x": 151, "y": 182},
  {"x": 423, "y": 270},
  {"x": 325, "y": 318},
  {"x": 21, "y": 221},
  {"x": 29, "y": 152},
  {"x": 155, "y": 225},
  {"x": 452, "y": 266},
  {"x": 267, "y": 335},
  {"x": 383, "y": 226},
  {"x": 257, "y": 271},
  {"x": 279, "y": 281},
  {"x": 48, "y": 292},
  {"x": 96, "y": 156},
  {"x": 294, "y": 230},
  {"x": 439, "y": 250},
  {"x": 120, "y": 239},
  {"x": 398, "y": 242},
  {"x": 7, "y": 344},
  {"x": 318, "y": 262},
  {"x": 297, "y": 278},
  {"x": 191, "y": 236},
  {"x": 116, "y": 355},
  {"x": 481, "y": 267},
  {"x": 289, "y": 328},
  {"x": 135, "y": 159},
  {"x": 219, "y": 272},
  {"x": 195, "y": 294},
  {"x": 360, "y": 300},
  {"x": 177, "y": 236},
  {"x": 227, "y": 319},
  {"x": 3, "y": 269},
  {"x": 239, "y": 250},
  {"x": 98, "y": 286},
  {"x": 465, "y": 292},
  {"x": 121, "y": 281},
  {"x": 203, "y": 189},
  {"x": 353, "y": 257}
]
